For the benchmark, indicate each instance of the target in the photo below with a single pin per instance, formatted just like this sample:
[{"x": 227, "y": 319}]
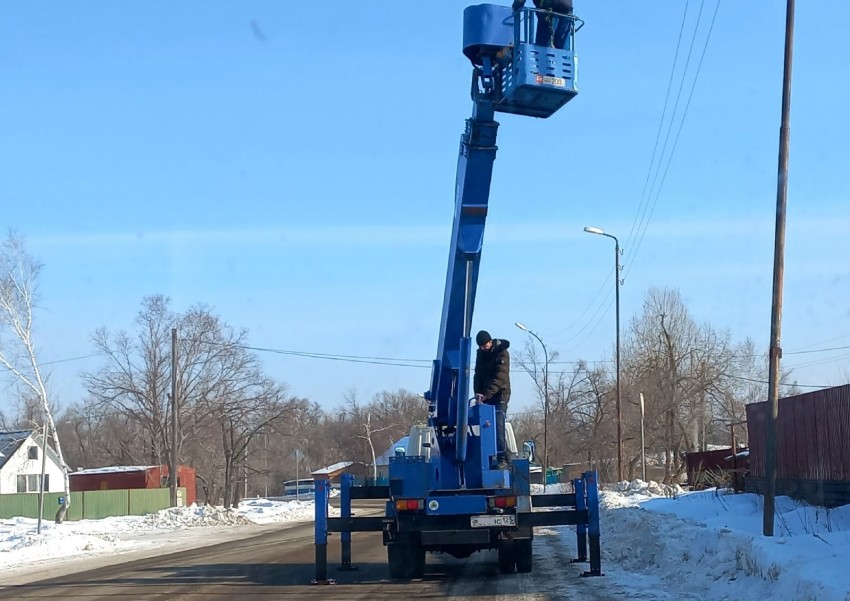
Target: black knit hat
[{"x": 482, "y": 338}]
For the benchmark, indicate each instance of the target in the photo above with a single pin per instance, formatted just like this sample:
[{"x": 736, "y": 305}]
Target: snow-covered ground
[
  {"x": 657, "y": 543},
  {"x": 708, "y": 545}
]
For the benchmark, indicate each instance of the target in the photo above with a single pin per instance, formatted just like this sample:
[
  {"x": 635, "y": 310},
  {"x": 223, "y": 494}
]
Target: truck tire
[
  {"x": 397, "y": 560},
  {"x": 523, "y": 555},
  {"x": 405, "y": 560},
  {"x": 507, "y": 557},
  {"x": 416, "y": 558}
]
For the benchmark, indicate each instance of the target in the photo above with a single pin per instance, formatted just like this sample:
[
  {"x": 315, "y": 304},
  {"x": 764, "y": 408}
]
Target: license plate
[{"x": 488, "y": 521}]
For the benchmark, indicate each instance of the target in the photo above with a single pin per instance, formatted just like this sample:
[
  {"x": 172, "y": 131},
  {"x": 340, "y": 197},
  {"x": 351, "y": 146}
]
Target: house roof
[
  {"x": 384, "y": 458},
  {"x": 10, "y": 442},
  {"x": 332, "y": 470},
  {"x": 114, "y": 469}
]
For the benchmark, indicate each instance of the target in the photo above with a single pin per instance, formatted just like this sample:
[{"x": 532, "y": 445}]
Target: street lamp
[
  {"x": 599, "y": 232},
  {"x": 545, "y": 402}
]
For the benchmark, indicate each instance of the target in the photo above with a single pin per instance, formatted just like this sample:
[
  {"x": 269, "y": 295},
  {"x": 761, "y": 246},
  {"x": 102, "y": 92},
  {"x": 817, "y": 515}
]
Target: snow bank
[
  {"x": 710, "y": 543},
  {"x": 194, "y": 517}
]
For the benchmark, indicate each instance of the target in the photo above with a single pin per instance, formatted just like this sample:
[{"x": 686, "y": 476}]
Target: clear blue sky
[{"x": 292, "y": 164}]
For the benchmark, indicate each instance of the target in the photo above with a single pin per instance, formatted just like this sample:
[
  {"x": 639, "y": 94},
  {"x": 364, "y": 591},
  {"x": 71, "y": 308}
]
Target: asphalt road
[{"x": 279, "y": 565}]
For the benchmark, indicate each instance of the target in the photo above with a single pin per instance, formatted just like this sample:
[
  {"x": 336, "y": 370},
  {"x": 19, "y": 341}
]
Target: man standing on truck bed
[{"x": 492, "y": 386}]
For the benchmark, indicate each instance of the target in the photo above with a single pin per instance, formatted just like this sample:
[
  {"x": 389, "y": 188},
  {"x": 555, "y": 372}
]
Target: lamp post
[
  {"x": 599, "y": 232},
  {"x": 545, "y": 402}
]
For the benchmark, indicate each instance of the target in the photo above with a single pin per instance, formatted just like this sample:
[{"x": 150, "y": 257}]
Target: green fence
[{"x": 90, "y": 505}]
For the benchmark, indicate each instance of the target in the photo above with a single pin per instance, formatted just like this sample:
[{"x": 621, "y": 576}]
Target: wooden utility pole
[
  {"x": 172, "y": 466},
  {"x": 778, "y": 275}
]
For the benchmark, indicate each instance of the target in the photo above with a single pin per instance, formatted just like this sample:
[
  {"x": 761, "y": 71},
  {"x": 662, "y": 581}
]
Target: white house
[{"x": 21, "y": 462}]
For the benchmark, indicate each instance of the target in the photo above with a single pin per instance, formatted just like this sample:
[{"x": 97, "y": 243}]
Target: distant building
[
  {"x": 21, "y": 463},
  {"x": 333, "y": 472},
  {"x": 134, "y": 476},
  {"x": 382, "y": 462}
]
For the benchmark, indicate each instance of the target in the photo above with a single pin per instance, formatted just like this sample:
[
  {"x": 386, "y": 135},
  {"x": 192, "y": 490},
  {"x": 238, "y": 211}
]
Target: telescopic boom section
[{"x": 450, "y": 386}]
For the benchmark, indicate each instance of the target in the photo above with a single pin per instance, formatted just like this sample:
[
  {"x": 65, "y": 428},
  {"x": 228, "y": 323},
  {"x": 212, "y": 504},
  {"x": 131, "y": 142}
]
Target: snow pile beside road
[
  {"x": 710, "y": 543},
  {"x": 646, "y": 489},
  {"x": 175, "y": 518},
  {"x": 266, "y": 511}
]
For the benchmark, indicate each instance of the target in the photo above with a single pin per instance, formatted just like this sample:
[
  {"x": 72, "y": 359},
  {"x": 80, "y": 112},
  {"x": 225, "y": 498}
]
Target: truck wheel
[
  {"x": 523, "y": 555},
  {"x": 397, "y": 560},
  {"x": 416, "y": 555},
  {"x": 405, "y": 560},
  {"x": 507, "y": 559}
]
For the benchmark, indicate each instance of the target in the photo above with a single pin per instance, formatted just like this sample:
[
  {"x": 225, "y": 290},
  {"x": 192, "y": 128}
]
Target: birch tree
[{"x": 19, "y": 273}]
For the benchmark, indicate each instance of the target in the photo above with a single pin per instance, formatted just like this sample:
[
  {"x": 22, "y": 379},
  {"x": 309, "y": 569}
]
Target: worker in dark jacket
[
  {"x": 552, "y": 29},
  {"x": 492, "y": 386}
]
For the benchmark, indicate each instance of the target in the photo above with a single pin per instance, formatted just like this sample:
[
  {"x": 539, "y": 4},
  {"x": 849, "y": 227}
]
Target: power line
[
  {"x": 644, "y": 197},
  {"x": 645, "y": 225},
  {"x": 765, "y": 382},
  {"x": 69, "y": 359},
  {"x": 643, "y": 200}
]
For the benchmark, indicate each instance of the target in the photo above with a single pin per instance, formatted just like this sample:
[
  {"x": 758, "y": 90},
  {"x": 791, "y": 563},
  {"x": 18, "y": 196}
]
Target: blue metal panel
[
  {"x": 496, "y": 479},
  {"x": 487, "y": 28},
  {"x": 486, "y": 420},
  {"x": 456, "y": 505},
  {"x": 409, "y": 477},
  {"x": 521, "y": 477}
]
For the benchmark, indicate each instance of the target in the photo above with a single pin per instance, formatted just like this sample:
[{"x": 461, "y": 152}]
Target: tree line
[
  {"x": 694, "y": 379},
  {"x": 245, "y": 433}
]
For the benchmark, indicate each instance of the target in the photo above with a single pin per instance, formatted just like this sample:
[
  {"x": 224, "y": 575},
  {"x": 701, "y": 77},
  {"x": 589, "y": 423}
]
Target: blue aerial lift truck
[{"x": 451, "y": 498}]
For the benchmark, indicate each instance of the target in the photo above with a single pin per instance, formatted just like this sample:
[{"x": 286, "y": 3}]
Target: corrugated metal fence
[
  {"x": 90, "y": 505},
  {"x": 812, "y": 445}
]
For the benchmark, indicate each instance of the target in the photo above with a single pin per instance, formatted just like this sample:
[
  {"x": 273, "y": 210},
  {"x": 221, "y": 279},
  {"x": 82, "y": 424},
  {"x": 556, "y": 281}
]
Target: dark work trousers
[{"x": 552, "y": 30}]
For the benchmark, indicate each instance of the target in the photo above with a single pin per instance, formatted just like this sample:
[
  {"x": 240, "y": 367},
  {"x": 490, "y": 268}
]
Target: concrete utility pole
[
  {"x": 778, "y": 275},
  {"x": 522, "y": 326},
  {"x": 172, "y": 464},
  {"x": 600, "y": 232}
]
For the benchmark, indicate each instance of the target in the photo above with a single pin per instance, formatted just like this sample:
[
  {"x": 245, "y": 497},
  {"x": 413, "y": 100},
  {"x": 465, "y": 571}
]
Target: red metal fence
[
  {"x": 704, "y": 467},
  {"x": 812, "y": 435},
  {"x": 812, "y": 447}
]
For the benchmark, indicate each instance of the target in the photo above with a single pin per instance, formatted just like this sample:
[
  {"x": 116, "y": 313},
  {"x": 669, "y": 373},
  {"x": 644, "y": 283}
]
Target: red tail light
[
  {"x": 504, "y": 502},
  {"x": 409, "y": 504}
]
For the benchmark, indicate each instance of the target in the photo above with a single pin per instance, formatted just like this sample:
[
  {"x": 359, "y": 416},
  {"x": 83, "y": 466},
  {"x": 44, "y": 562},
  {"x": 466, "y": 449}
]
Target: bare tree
[
  {"x": 135, "y": 380},
  {"x": 19, "y": 273},
  {"x": 223, "y": 398}
]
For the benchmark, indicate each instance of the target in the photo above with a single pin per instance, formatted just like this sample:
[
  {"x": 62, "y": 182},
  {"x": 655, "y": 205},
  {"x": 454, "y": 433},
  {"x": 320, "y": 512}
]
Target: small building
[
  {"x": 131, "y": 477},
  {"x": 333, "y": 472},
  {"x": 22, "y": 454}
]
